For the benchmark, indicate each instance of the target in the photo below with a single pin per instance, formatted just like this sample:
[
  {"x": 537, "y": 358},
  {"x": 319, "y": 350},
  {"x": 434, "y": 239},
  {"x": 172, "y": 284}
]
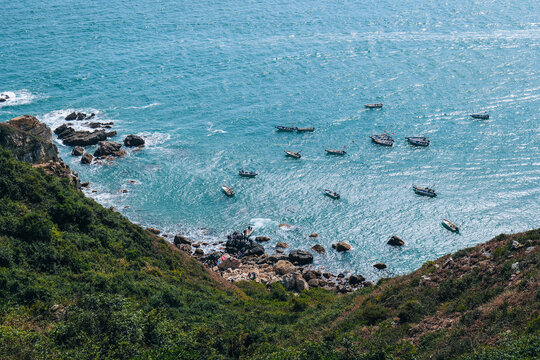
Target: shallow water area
[{"x": 206, "y": 83}]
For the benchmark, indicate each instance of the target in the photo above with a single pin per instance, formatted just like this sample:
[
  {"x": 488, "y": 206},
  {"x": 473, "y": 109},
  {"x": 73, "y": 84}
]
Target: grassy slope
[{"x": 79, "y": 281}]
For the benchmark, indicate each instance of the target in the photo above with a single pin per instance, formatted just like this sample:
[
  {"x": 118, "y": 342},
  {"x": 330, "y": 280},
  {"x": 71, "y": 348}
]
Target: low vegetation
[{"x": 78, "y": 281}]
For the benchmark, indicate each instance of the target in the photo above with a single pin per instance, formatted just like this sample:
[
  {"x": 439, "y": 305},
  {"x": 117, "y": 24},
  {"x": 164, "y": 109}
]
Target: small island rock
[
  {"x": 341, "y": 246},
  {"x": 395, "y": 241},
  {"x": 86, "y": 158},
  {"x": 133, "y": 140},
  {"x": 77, "y": 151},
  {"x": 379, "y": 266}
]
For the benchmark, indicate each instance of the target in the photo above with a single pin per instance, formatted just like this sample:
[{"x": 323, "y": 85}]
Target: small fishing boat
[
  {"x": 285, "y": 128},
  {"x": 335, "y": 152},
  {"x": 248, "y": 231},
  {"x": 293, "y": 154},
  {"x": 480, "y": 116},
  {"x": 306, "y": 129},
  {"x": 418, "y": 140},
  {"x": 332, "y": 194},
  {"x": 374, "y": 106},
  {"x": 246, "y": 173},
  {"x": 383, "y": 139},
  {"x": 228, "y": 191},
  {"x": 450, "y": 225},
  {"x": 425, "y": 191}
]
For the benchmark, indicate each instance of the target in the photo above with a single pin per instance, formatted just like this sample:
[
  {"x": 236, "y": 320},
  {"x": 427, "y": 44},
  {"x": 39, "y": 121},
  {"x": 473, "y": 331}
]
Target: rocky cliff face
[
  {"x": 31, "y": 141},
  {"x": 28, "y": 139}
]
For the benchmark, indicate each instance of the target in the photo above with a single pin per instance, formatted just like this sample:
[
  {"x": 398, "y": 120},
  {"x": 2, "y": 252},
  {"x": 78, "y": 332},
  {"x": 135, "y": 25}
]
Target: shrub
[{"x": 410, "y": 311}]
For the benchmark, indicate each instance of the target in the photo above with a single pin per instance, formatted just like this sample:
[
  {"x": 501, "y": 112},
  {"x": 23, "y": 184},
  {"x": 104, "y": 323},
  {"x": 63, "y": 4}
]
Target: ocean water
[{"x": 206, "y": 81}]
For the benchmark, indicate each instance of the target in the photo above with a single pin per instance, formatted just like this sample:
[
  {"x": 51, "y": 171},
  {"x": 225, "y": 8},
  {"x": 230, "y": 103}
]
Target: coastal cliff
[{"x": 81, "y": 281}]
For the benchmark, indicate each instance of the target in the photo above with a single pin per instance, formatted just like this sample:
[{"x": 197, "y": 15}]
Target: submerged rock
[
  {"x": 300, "y": 257},
  {"x": 379, "y": 266},
  {"x": 4, "y": 97},
  {"x": 282, "y": 245},
  {"x": 133, "y": 140},
  {"x": 395, "y": 241},
  {"x": 318, "y": 248},
  {"x": 262, "y": 238}
]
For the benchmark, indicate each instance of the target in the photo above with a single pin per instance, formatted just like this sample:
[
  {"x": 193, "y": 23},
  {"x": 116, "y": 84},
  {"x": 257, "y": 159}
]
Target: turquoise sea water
[{"x": 206, "y": 81}]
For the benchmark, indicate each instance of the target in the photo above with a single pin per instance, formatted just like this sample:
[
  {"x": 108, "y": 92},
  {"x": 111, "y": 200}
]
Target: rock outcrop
[
  {"x": 4, "y": 97},
  {"x": 318, "y": 248},
  {"x": 109, "y": 148},
  {"x": 341, "y": 246},
  {"x": 300, "y": 257},
  {"x": 395, "y": 241},
  {"x": 239, "y": 244},
  {"x": 28, "y": 139},
  {"x": 77, "y": 151},
  {"x": 87, "y": 159},
  {"x": 133, "y": 140},
  {"x": 72, "y": 137},
  {"x": 79, "y": 116}
]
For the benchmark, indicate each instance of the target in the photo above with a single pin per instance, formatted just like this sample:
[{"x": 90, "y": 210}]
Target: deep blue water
[{"x": 206, "y": 81}]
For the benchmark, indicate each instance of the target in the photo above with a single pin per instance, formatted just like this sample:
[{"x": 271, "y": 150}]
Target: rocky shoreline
[{"x": 238, "y": 258}]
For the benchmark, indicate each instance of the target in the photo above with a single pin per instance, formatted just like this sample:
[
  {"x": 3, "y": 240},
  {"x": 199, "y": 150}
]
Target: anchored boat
[
  {"x": 228, "y": 191},
  {"x": 383, "y": 139},
  {"x": 450, "y": 225},
  {"x": 306, "y": 129},
  {"x": 332, "y": 194},
  {"x": 480, "y": 116},
  {"x": 285, "y": 128},
  {"x": 246, "y": 173},
  {"x": 293, "y": 154},
  {"x": 425, "y": 191},
  {"x": 418, "y": 140},
  {"x": 374, "y": 106},
  {"x": 335, "y": 152}
]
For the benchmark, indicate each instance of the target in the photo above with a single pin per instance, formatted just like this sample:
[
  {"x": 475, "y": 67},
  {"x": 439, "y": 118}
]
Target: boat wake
[{"x": 17, "y": 97}]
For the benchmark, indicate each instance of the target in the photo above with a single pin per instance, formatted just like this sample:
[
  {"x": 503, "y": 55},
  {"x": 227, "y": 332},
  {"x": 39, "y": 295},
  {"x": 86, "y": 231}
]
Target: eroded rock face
[
  {"x": 133, "y": 140},
  {"x": 29, "y": 140},
  {"x": 109, "y": 148}
]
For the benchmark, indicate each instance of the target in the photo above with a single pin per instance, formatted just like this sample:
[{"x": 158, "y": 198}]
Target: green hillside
[{"x": 78, "y": 281}]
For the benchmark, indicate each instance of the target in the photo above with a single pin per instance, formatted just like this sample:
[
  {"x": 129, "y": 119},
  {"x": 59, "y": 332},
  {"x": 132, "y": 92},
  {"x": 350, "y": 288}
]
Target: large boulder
[
  {"x": 341, "y": 246},
  {"x": 395, "y": 241},
  {"x": 86, "y": 159},
  {"x": 133, "y": 140},
  {"x": 356, "y": 279},
  {"x": 106, "y": 148},
  {"x": 283, "y": 267},
  {"x": 77, "y": 151},
  {"x": 293, "y": 282},
  {"x": 300, "y": 257},
  {"x": 29, "y": 140}
]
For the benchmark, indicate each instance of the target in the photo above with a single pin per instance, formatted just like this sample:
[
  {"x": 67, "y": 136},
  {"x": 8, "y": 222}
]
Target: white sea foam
[
  {"x": 17, "y": 97},
  {"x": 153, "y": 139},
  {"x": 213, "y": 131},
  {"x": 262, "y": 223},
  {"x": 144, "y": 106}
]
